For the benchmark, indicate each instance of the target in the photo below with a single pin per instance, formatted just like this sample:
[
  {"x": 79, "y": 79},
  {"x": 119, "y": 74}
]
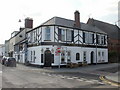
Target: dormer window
[{"x": 47, "y": 33}]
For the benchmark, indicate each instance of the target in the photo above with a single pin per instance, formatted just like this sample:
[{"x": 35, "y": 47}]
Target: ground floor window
[
  {"x": 41, "y": 58},
  {"x": 63, "y": 57},
  {"x": 99, "y": 54},
  {"x": 31, "y": 56},
  {"x": 52, "y": 58},
  {"x": 34, "y": 57},
  {"x": 84, "y": 56},
  {"x": 103, "y": 54},
  {"x": 77, "y": 56},
  {"x": 69, "y": 56}
]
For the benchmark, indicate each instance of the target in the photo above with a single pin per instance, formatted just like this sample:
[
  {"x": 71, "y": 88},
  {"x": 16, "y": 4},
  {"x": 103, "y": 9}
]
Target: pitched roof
[
  {"x": 113, "y": 31},
  {"x": 70, "y": 23}
]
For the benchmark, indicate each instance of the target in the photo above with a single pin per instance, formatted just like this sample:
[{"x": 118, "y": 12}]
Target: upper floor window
[
  {"x": 98, "y": 41},
  {"x": 102, "y": 40},
  {"x": 88, "y": 37},
  {"x": 47, "y": 33},
  {"x": 61, "y": 34},
  {"x": 91, "y": 38},
  {"x": 69, "y": 35}
]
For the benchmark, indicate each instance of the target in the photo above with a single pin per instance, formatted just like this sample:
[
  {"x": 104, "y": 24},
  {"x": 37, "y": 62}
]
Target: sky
[{"x": 42, "y": 10}]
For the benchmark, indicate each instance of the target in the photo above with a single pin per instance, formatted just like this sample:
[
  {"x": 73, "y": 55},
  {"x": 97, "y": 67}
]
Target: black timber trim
[
  {"x": 54, "y": 33},
  {"x": 66, "y": 27},
  {"x": 66, "y": 44}
]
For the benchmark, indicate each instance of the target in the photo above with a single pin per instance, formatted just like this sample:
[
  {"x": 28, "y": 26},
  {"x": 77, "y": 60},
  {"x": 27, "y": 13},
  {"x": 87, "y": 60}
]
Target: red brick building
[{"x": 113, "y": 32}]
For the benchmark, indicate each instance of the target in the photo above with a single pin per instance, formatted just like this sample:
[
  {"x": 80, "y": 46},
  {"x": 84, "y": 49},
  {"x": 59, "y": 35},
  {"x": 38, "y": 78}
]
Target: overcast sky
[{"x": 42, "y": 10}]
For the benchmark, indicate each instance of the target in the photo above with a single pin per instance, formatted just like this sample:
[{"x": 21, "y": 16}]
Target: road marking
[
  {"x": 83, "y": 79},
  {"x": 89, "y": 81},
  {"x": 49, "y": 75},
  {"x": 75, "y": 77},
  {"x": 0, "y": 71},
  {"x": 69, "y": 78},
  {"x": 63, "y": 77},
  {"x": 79, "y": 79},
  {"x": 94, "y": 80}
]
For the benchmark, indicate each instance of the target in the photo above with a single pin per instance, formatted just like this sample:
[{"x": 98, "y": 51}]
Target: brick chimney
[
  {"x": 28, "y": 23},
  {"x": 77, "y": 19}
]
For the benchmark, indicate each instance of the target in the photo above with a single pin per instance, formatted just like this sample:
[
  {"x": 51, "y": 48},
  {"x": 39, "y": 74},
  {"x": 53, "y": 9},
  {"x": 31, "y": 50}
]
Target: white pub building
[{"x": 59, "y": 41}]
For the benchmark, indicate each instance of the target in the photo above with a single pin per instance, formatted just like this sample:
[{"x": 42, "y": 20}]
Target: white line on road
[
  {"x": 79, "y": 79},
  {"x": 69, "y": 78},
  {"x": 0, "y": 71}
]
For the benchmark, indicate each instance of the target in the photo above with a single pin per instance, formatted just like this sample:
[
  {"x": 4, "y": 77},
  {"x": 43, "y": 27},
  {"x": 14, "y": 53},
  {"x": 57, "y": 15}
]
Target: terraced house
[{"x": 59, "y": 41}]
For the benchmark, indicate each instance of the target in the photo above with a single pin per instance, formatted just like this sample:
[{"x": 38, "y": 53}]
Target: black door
[
  {"x": 48, "y": 58},
  {"x": 92, "y": 57}
]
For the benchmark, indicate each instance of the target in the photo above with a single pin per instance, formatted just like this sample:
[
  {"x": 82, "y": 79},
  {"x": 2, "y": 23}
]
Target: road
[{"x": 31, "y": 77}]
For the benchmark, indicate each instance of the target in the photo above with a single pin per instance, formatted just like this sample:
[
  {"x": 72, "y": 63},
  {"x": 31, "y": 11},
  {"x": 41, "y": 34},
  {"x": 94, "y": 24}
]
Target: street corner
[{"x": 108, "y": 81}]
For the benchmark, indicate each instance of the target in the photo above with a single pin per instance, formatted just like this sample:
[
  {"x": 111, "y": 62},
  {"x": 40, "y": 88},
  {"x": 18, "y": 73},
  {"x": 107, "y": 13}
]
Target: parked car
[{"x": 10, "y": 61}]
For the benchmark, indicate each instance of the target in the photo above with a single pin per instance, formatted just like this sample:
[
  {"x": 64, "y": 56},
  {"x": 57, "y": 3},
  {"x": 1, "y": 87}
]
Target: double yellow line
[{"x": 109, "y": 82}]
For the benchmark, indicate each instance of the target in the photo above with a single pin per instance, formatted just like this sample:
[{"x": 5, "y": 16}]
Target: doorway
[{"x": 47, "y": 58}]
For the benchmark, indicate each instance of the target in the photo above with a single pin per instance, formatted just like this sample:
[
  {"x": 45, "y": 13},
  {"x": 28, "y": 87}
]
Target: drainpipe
[{"x": 96, "y": 48}]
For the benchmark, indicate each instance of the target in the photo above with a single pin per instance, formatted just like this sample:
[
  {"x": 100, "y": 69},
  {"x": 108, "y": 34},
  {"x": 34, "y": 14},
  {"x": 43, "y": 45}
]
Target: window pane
[
  {"x": 41, "y": 58},
  {"x": 59, "y": 34},
  {"x": 69, "y": 35},
  {"x": 84, "y": 56},
  {"x": 47, "y": 33},
  {"x": 63, "y": 35}
]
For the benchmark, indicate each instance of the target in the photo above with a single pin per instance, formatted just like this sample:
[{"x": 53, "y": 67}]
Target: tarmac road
[{"x": 31, "y": 77}]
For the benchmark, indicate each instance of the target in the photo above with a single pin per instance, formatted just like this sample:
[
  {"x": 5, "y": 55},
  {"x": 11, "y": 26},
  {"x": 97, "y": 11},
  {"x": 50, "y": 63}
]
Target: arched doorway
[
  {"x": 47, "y": 58},
  {"x": 92, "y": 57}
]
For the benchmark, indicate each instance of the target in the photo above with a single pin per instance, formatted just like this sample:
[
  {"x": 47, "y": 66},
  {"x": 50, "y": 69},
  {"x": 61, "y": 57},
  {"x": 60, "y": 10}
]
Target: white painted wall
[{"x": 73, "y": 50}]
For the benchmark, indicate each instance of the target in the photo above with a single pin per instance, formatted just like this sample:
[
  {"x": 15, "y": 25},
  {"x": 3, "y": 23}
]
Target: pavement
[{"x": 112, "y": 79}]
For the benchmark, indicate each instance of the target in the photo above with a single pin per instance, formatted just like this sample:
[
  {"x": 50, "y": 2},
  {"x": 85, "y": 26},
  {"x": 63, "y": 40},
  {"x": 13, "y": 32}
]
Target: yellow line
[{"x": 109, "y": 82}]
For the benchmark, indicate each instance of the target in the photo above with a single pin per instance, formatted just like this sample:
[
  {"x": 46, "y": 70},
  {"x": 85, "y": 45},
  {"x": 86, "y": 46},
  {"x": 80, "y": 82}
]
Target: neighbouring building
[
  {"x": 6, "y": 48},
  {"x": 2, "y": 50},
  {"x": 14, "y": 47},
  {"x": 59, "y": 41},
  {"x": 113, "y": 32},
  {"x": 20, "y": 41}
]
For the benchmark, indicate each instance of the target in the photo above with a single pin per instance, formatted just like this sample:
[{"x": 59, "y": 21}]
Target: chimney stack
[
  {"x": 28, "y": 23},
  {"x": 77, "y": 19}
]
